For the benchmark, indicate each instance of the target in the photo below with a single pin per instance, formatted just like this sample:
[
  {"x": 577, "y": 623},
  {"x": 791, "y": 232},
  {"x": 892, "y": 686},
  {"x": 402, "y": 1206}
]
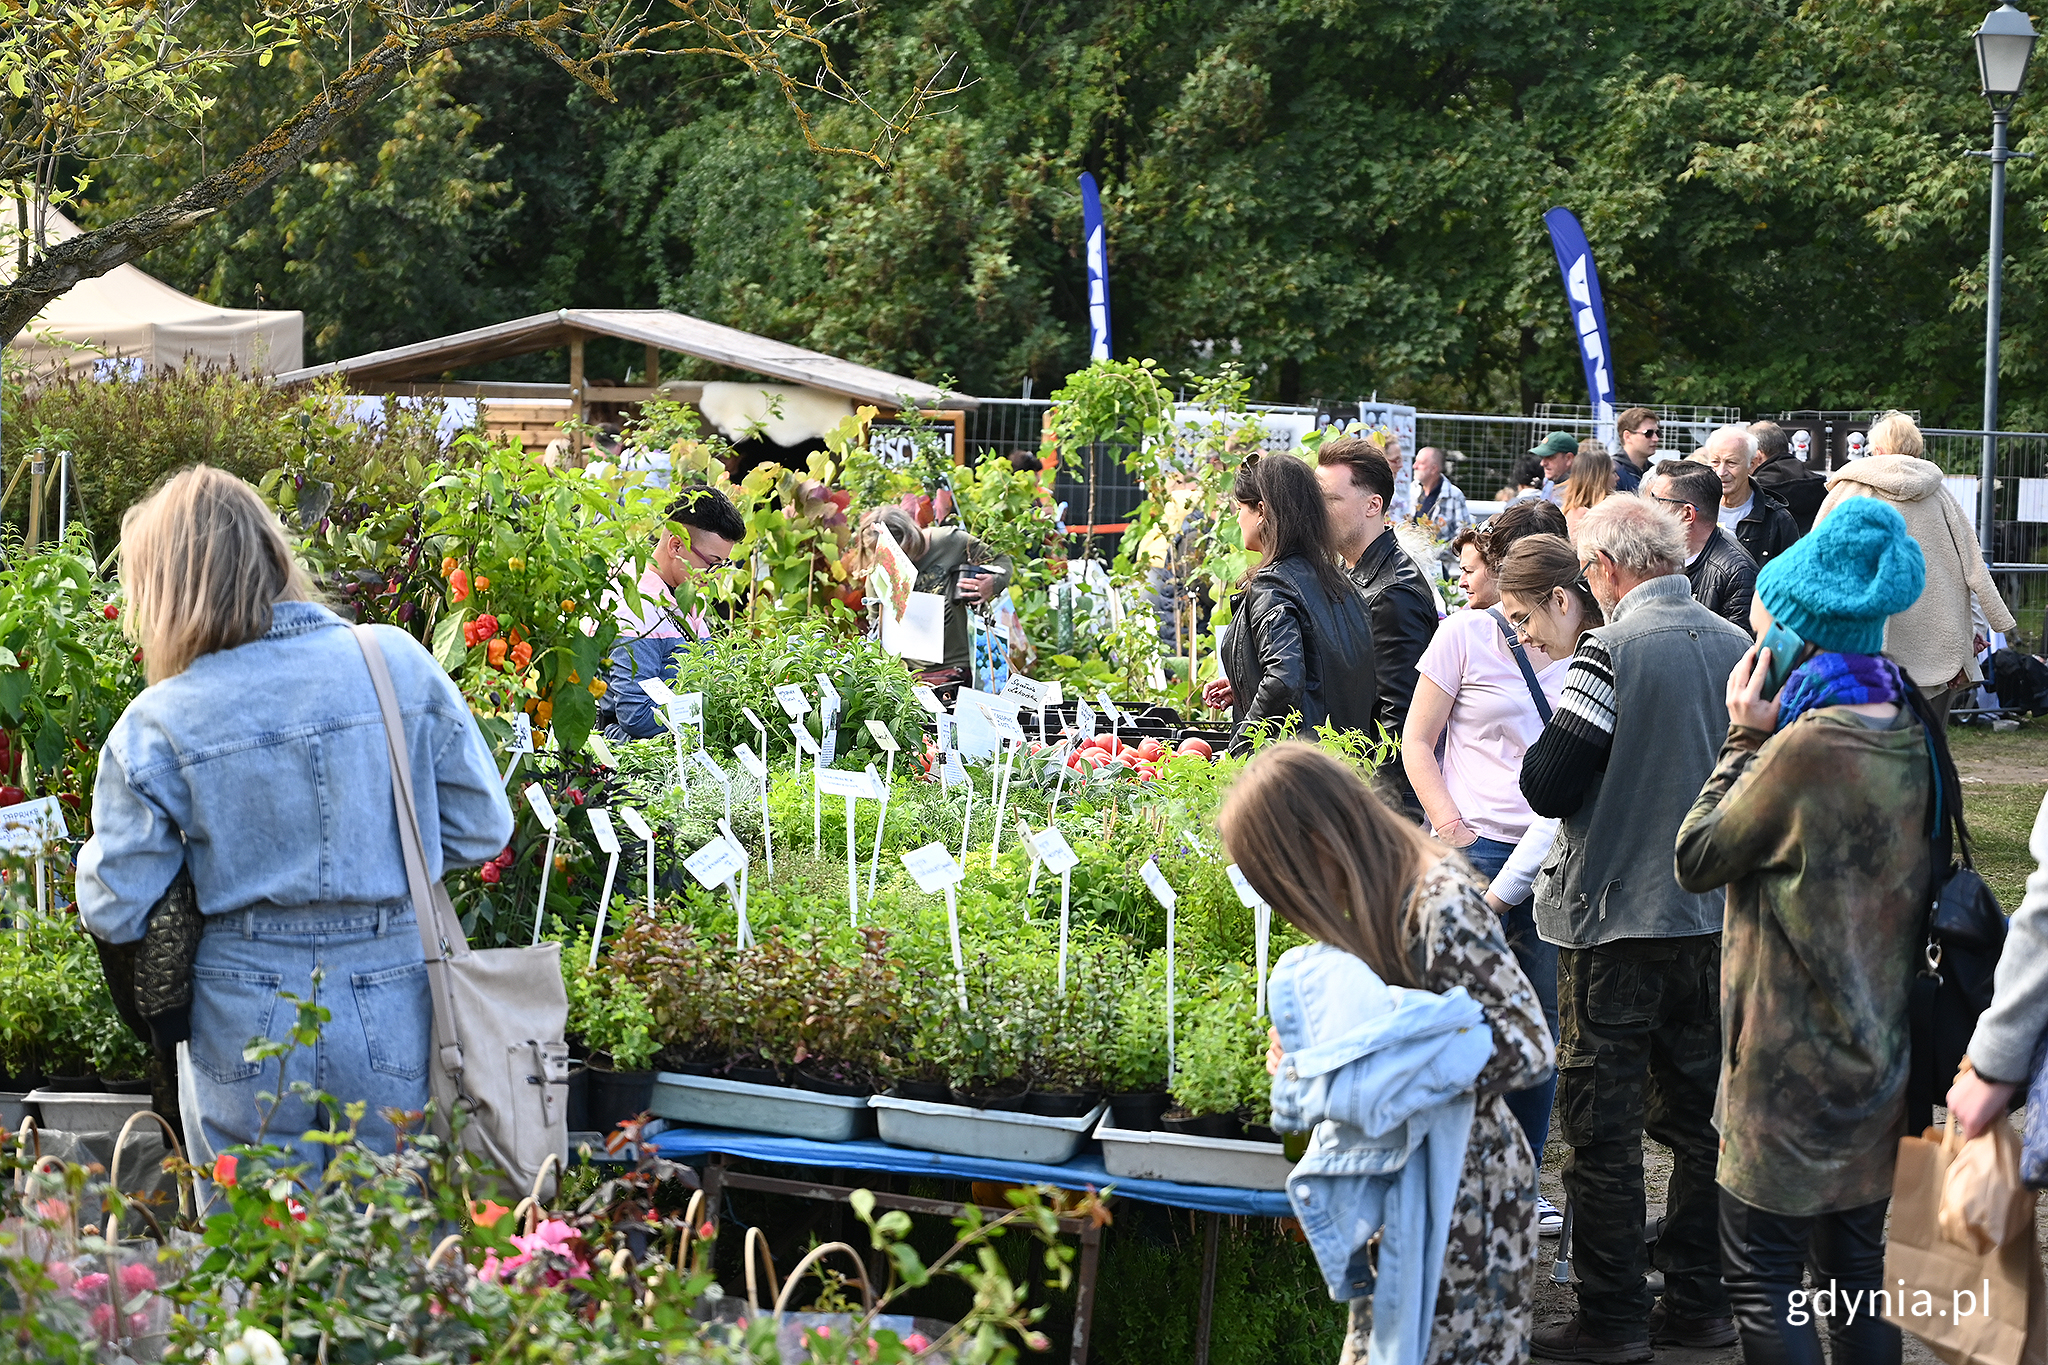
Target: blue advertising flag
[
  {"x": 1098, "y": 269},
  {"x": 1589, "y": 316}
]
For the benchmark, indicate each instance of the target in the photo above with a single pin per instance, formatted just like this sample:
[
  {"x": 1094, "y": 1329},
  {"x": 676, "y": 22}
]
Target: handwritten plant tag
[
  {"x": 751, "y": 761},
  {"x": 803, "y": 739},
  {"x": 792, "y": 699},
  {"x": 542, "y": 811},
  {"x": 637, "y": 823},
  {"x": 29, "y": 827},
  {"x": 928, "y": 699},
  {"x": 601, "y": 826},
  {"x": 1027, "y": 692},
  {"x": 883, "y": 737},
  {"x": 703, "y": 759},
  {"x": 1247, "y": 895},
  {"x": 840, "y": 782},
  {"x": 715, "y": 864},
  {"x": 828, "y": 694},
  {"x": 1155, "y": 882},
  {"x": 934, "y": 868},
  {"x": 1109, "y": 710},
  {"x": 658, "y": 692},
  {"x": 1084, "y": 720},
  {"x": 753, "y": 719},
  {"x": 1052, "y": 846}
]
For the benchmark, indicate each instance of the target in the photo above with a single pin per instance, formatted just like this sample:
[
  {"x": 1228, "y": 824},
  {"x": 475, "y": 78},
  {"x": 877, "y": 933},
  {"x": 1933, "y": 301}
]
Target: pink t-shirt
[{"x": 1493, "y": 719}]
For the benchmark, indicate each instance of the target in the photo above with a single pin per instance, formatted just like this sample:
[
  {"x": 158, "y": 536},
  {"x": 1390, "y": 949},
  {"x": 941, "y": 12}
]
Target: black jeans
[
  {"x": 1763, "y": 1262},
  {"x": 1640, "y": 1051}
]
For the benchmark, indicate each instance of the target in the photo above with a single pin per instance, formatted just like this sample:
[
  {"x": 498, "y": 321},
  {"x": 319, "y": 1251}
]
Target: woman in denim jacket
[
  {"x": 1362, "y": 881},
  {"x": 257, "y": 758}
]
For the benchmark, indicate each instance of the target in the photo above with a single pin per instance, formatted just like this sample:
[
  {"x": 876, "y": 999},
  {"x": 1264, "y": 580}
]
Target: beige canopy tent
[
  {"x": 823, "y": 384},
  {"x": 128, "y": 315}
]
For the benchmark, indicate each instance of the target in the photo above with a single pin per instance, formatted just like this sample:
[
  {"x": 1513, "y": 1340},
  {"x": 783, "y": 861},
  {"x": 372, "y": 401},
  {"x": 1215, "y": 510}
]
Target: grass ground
[{"x": 2004, "y": 776}]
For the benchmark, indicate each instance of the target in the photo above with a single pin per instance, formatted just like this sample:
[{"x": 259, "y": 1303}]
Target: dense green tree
[{"x": 1344, "y": 196}]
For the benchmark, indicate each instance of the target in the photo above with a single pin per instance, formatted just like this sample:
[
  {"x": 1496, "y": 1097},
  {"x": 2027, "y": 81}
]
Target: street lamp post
[{"x": 2005, "y": 43}]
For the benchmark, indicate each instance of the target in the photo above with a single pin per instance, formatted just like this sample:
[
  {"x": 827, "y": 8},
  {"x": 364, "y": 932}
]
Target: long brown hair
[
  {"x": 1592, "y": 479},
  {"x": 1326, "y": 853},
  {"x": 1538, "y": 564},
  {"x": 1297, "y": 518},
  {"x": 202, "y": 561}
]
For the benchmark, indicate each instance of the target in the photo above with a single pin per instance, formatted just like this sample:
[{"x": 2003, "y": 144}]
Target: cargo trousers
[{"x": 1640, "y": 1051}]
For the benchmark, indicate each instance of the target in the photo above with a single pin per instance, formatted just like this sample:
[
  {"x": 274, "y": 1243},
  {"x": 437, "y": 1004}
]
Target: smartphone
[{"x": 1786, "y": 649}]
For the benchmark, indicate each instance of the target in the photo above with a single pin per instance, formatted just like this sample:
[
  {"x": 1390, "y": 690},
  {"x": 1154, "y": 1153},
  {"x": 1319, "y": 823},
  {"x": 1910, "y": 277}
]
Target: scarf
[{"x": 1831, "y": 679}]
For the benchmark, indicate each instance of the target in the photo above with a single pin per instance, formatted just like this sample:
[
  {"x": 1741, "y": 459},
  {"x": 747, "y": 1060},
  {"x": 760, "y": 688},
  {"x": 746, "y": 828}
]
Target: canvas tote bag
[
  {"x": 1973, "y": 1299},
  {"x": 499, "y": 1014}
]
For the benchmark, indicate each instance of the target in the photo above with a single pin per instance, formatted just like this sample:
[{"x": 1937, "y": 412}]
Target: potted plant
[
  {"x": 1068, "y": 1072},
  {"x": 1218, "y": 1067},
  {"x": 848, "y": 1011},
  {"x": 1134, "y": 1062}
]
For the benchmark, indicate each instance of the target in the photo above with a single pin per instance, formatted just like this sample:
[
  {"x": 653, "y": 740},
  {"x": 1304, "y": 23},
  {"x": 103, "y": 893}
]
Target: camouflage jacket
[{"x": 1819, "y": 832}]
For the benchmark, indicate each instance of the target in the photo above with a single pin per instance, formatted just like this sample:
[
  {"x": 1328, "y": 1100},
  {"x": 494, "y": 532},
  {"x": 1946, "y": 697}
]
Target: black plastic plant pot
[
  {"x": 579, "y": 1099},
  {"x": 616, "y": 1096},
  {"x": 931, "y": 1092},
  {"x": 825, "y": 1085},
  {"x": 1205, "y": 1125},
  {"x": 1259, "y": 1132},
  {"x": 1061, "y": 1104},
  {"x": 127, "y": 1085},
  {"x": 754, "y": 1075},
  {"x": 1138, "y": 1112},
  {"x": 1008, "y": 1104},
  {"x": 75, "y": 1085}
]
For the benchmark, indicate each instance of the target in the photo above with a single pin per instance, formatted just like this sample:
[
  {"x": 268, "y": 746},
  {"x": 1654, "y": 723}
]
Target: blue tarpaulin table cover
[{"x": 1083, "y": 1172}]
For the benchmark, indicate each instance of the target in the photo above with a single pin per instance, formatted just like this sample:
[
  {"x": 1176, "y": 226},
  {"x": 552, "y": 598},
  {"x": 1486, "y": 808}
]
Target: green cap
[{"x": 1557, "y": 443}]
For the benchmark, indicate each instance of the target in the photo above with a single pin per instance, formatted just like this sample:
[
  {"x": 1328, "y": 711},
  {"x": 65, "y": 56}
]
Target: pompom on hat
[{"x": 1838, "y": 583}]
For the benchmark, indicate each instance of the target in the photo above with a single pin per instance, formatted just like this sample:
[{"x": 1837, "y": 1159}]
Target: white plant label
[
  {"x": 739, "y": 850},
  {"x": 751, "y": 761},
  {"x": 1058, "y": 854},
  {"x": 658, "y": 692},
  {"x": 840, "y": 782},
  {"x": 1109, "y": 710},
  {"x": 1155, "y": 882},
  {"x": 754, "y": 720},
  {"x": 1194, "y": 842},
  {"x": 689, "y": 708},
  {"x": 828, "y": 694},
  {"x": 522, "y": 733},
  {"x": 803, "y": 739},
  {"x": 829, "y": 751},
  {"x": 947, "y": 727},
  {"x": 29, "y": 827},
  {"x": 601, "y": 826},
  {"x": 885, "y": 740},
  {"x": 933, "y": 868},
  {"x": 601, "y": 750},
  {"x": 542, "y": 811},
  {"x": 1050, "y": 694},
  {"x": 1084, "y": 720},
  {"x": 637, "y": 823},
  {"x": 1247, "y": 895},
  {"x": 1027, "y": 692},
  {"x": 704, "y": 760},
  {"x": 952, "y": 773},
  {"x": 792, "y": 699},
  {"x": 1005, "y": 723},
  {"x": 928, "y": 699},
  {"x": 715, "y": 864}
]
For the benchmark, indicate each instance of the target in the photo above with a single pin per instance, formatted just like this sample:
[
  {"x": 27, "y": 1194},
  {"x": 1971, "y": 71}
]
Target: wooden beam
[
  {"x": 577, "y": 397},
  {"x": 652, "y": 379}
]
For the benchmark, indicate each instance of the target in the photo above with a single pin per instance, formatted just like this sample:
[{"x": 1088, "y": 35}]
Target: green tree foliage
[{"x": 1341, "y": 196}]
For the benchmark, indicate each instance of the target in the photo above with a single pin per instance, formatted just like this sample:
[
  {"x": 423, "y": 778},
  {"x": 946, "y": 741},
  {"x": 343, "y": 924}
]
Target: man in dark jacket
[
  {"x": 1722, "y": 574},
  {"x": 1358, "y": 486},
  {"x": 1755, "y": 516},
  {"x": 1786, "y": 474}
]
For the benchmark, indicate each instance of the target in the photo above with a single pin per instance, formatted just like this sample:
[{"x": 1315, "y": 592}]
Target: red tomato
[
  {"x": 1106, "y": 743},
  {"x": 1150, "y": 749},
  {"x": 1129, "y": 758},
  {"x": 1196, "y": 746},
  {"x": 1146, "y": 772}
]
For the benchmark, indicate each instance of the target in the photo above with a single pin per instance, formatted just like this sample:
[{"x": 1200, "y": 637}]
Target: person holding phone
[{"x": 1816, "y": 819}]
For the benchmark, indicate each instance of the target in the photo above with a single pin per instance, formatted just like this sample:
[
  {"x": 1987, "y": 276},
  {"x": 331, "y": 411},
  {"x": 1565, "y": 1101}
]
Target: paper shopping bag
[{"x": 1971, "y": 1307}]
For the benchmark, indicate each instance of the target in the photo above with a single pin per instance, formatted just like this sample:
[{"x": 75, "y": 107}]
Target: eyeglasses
[
  {"x": 1649, "y": 434},
  {"x": 706, "y": 562},
  {"x": 1680, "y": 503}
]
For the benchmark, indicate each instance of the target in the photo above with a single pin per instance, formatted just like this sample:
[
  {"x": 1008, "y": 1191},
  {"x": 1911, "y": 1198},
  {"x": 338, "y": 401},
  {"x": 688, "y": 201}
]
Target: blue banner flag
[
  {"x": 1589, "y": 317},
  {"x": 1098, "y": 269}
]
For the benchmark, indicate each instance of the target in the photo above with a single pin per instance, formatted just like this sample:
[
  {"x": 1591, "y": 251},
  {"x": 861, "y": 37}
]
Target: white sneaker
[{"x": 1549, "y": 1218}]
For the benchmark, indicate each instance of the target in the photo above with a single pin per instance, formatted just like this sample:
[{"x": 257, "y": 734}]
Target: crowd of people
[{"x": 1681, "y": 880}]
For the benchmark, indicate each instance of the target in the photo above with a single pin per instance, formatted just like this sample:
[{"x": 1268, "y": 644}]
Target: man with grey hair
[
  {"x": 1758, "y": 518},
  {"x": 1431, "y": 497},
  {"x": 1722, "y": 574},
  {"x": 1632, "y": 740},
  {"x": 1785, "y": 474}
]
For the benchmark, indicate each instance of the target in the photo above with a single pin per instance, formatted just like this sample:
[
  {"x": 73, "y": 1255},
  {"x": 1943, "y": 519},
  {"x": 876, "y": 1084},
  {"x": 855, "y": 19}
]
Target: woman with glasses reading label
[{"x": 1300, "y": 642}]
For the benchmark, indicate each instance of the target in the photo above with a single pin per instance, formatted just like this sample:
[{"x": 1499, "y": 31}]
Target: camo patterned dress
[{"x": 1483, "y": 1303}]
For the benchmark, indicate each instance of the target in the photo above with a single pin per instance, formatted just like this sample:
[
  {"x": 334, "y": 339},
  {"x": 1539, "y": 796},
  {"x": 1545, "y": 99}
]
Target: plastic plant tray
[
  {"x": 67, "y": 1111},
  {"x": 714, "y": 1102},
  {"x": 1190, "y": 1160},
  {"x": 996, "y": 1134}
]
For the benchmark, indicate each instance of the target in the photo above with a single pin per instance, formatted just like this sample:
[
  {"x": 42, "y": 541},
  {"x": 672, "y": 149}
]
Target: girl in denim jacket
[
  {"x": 1348, "y": 872},
  {"x": 256, "y": 757}
]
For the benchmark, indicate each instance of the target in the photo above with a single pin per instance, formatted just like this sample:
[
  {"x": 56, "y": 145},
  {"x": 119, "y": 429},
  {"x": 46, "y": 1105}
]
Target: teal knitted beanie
[{"x": 1837, "y": 584}]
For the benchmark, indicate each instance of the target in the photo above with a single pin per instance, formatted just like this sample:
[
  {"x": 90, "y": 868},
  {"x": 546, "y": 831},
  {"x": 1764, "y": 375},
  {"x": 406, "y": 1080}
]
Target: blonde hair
[
  {"x": 203, "y": 559},
  {"x": 1592, "y": 477},
  {"x": 1894, "y": 433},
  {"x": 1329, "y": 856}
]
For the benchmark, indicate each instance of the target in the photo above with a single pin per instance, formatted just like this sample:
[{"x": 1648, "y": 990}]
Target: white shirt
[{"x": 1730, "y": 517}]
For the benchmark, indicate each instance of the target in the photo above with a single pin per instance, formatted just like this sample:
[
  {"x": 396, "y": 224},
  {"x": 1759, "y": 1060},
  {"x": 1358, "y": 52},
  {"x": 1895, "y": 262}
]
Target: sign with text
[{"x": 934, "y": 868}]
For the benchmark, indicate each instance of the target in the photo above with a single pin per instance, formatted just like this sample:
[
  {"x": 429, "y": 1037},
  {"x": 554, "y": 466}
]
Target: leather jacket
[
  {"x": 1723, "y": 578},
  {"x": 1291, "y": 649},
  {"x": 1769, "y": 529},
  {"x": 1403, "y": 623}
]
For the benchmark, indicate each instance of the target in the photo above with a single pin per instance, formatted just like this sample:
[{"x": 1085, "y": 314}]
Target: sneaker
[
  {"x": 1549, "y": 1218},
  {"x": 1699, "y": 1334},
  {"x": 1569, "y": 1340}
]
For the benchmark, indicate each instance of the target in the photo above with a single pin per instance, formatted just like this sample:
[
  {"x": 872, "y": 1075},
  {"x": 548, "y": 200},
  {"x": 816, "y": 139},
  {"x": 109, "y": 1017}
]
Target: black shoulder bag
[{"x": 1965, "y": 932}]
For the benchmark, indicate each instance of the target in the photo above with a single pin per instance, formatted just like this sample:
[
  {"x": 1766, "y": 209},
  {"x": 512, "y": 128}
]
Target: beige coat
[{"x": 1934, "y": 639}]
